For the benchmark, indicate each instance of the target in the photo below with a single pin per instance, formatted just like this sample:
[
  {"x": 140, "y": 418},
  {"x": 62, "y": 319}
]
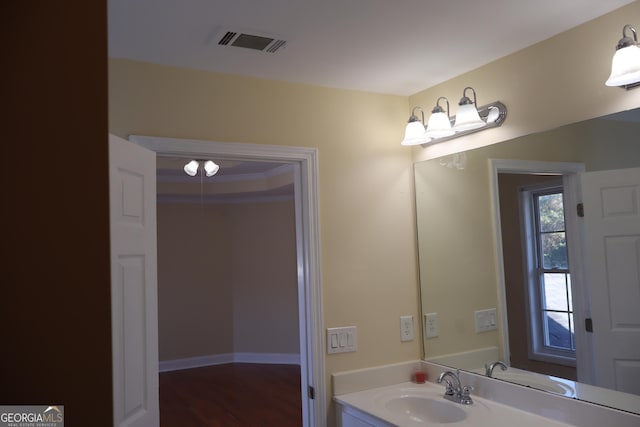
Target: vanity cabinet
[{"x": 348, "y": 416}]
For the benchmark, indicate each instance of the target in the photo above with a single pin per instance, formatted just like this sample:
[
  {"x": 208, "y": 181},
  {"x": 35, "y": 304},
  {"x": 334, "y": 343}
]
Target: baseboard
[
  {"x": 195, "y": 362},
  {"x": 270, "y": 358},
  {"x": 220, "y": 359}
]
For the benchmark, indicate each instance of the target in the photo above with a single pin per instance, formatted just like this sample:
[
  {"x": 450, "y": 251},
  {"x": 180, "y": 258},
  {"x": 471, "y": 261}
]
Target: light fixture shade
[
  {"x": 625, "y": 66},
  {"x": 439, "y": 126},
  {"x": 210, "y": 168},
  {"x": 191, "y": 168},
  {"x": 467, "y": 118},
  {"x": 414, "y": 134}
]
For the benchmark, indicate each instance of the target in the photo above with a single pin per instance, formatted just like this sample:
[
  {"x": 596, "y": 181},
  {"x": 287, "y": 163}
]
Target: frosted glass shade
[
  {"x": 191, "y": 168},
  {"x": 439, "y": 126},
  {"x": 467, "y": 118},
  {"x": 625, "y": 66},
  {"x": 414, "y": 134},
  {"x": 211, "y": 168}
]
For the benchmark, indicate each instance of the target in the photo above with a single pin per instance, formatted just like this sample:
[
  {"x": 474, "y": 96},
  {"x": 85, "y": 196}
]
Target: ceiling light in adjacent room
[
  {"x": 210, "y": 168},
  {"x": 191, "y": 168}
]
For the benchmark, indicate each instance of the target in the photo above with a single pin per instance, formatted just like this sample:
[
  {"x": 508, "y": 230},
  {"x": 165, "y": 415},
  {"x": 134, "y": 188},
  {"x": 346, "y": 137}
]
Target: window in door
[{"x": 549, "y": 277}]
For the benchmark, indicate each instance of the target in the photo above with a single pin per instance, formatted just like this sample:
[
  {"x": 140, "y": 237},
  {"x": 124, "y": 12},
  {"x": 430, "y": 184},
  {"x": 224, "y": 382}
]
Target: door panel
[
  {"x": 133, "y": 284},
  {"x": 612, "y": 237}
]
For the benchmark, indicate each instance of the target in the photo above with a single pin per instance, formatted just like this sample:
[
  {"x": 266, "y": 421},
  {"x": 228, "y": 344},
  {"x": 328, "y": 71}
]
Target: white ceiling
[{"x": 386, "y": 46}]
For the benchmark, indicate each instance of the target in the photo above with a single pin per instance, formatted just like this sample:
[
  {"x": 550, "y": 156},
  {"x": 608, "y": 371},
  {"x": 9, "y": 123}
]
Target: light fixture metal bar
[
  {"x": 630, "y": 86},
  {"x": 483, "y": 111}
]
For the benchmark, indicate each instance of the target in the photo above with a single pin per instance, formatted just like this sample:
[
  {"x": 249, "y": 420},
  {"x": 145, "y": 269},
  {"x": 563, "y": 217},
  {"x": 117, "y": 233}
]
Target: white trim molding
[
  {"x": 223, "y": 359},
  {"x": 195, "y": 362}
]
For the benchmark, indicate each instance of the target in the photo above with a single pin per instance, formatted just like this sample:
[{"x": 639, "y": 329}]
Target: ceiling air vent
[{"x": 262, "y": 43}]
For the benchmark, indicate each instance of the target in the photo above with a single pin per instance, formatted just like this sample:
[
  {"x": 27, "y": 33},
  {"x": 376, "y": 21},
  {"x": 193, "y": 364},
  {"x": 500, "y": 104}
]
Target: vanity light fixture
[
  {"x": 210, "y": 168},
  {"x": 414, "y": 132},
  {"x": 625, "y": 66},
  {"x": 441, "y": 127},
  {"x": 468, "y": 117},
  {"x": 439, "y": 124}
]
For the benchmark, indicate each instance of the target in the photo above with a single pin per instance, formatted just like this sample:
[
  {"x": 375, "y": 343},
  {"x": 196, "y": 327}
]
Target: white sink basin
[
  {"x": 426, "y": 409},
  {"x": 540, "y": 382}
]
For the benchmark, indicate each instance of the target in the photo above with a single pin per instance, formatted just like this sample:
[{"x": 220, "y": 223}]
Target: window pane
[
  {"x": 557, "y": 330},
  {"x": 554, "y": 250},
  {"x": 551, "y": 212},
  {"x": 555, "y": 292}
]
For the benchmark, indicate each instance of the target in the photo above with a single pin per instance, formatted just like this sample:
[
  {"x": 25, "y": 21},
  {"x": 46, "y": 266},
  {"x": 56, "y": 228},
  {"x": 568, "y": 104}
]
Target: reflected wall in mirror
[{"x": 461, "y": 258}]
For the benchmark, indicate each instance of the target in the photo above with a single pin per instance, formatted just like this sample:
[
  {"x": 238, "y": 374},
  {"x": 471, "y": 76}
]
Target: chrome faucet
[
  {"x": 488, "y": 369},
  {"x": 454, "y": 389}
]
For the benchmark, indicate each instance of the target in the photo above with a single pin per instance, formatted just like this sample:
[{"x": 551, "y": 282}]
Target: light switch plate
[
  {"x": 342, "y": 340},
  {"x": 406, "y": 328}
]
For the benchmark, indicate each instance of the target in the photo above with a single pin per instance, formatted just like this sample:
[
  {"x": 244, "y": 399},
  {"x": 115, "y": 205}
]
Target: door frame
[
  {"x": 570, "y": 173},
  {"x": 305, "y": 161}
]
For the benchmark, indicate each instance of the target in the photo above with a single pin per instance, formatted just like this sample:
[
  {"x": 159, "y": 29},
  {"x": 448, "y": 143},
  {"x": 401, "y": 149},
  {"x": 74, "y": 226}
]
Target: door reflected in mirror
[{"x": 476, "y": 253}]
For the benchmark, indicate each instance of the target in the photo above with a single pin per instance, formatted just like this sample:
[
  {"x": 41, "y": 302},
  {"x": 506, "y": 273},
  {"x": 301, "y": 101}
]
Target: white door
[
  {"x": 134, "y": 308},
  {"x": 612, "y": 238}
]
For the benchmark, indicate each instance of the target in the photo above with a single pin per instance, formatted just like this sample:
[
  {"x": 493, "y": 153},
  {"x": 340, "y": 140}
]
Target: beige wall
[
  {"x": 265, "y": 297},
  {"x": 195, "y": 317},
  {"x": 367, "y": 223},
  {"x": 227, "y": 279}
]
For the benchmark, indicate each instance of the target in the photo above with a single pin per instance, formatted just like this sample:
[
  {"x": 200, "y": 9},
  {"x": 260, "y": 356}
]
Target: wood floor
[{"x": 231, "y": 395}]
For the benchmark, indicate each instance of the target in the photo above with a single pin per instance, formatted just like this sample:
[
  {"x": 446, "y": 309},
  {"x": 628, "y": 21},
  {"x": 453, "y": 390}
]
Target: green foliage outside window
[{"x": 554, "y": 242}]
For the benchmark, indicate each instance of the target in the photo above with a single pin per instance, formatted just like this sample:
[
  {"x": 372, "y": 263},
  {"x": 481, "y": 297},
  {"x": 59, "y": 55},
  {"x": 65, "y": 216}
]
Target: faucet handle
[{"x": 465, "y": 396}]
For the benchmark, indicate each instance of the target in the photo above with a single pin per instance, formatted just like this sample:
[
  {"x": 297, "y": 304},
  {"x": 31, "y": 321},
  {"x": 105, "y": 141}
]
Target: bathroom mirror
[{"x": 461, "y": 259}]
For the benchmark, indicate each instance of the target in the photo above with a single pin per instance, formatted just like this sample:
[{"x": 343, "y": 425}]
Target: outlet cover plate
[
  {"x": 431, "y": 325},
  {"x": 406, "y": 328}
]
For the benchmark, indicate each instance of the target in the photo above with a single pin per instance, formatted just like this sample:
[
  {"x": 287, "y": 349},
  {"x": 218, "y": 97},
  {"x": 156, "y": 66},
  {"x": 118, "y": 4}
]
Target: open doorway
[
  {"x": 537, "y": 274},
  {"x": 511, "y": 180},
  {"x": 228, "y": 330}
]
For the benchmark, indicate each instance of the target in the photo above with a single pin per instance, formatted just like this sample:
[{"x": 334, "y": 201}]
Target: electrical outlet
[
  {"x": 431, "y": 325},
  {"x": 406, "y": 328}
]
